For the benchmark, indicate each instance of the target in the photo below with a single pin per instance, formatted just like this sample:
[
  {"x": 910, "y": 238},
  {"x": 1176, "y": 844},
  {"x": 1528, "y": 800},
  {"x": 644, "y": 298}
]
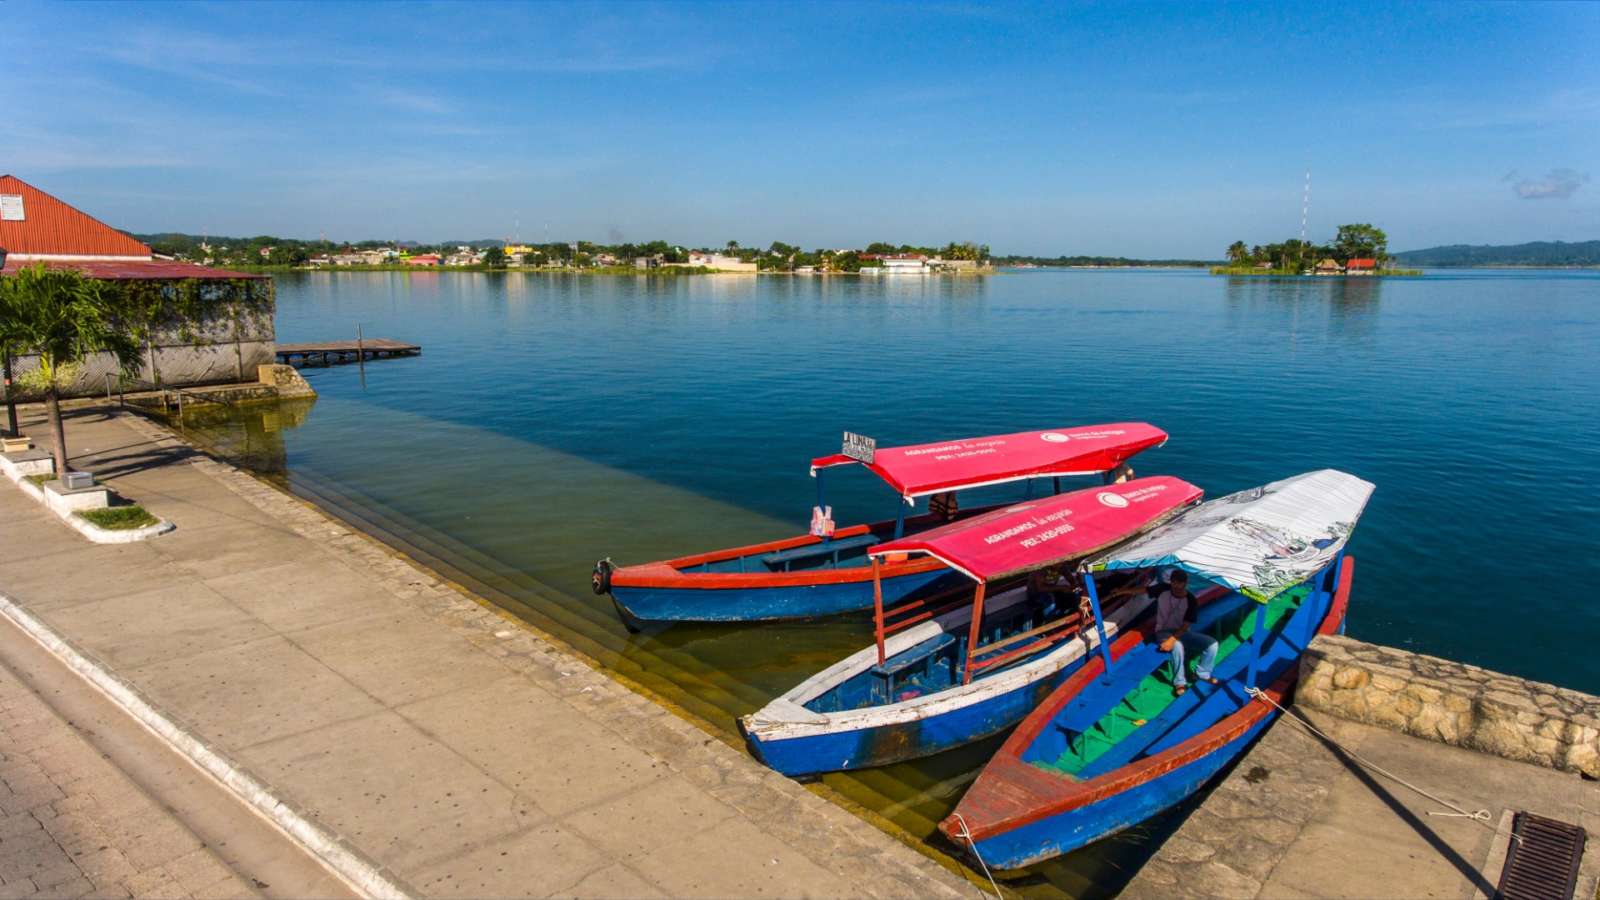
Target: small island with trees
[{"x": 1356, "y": 250}]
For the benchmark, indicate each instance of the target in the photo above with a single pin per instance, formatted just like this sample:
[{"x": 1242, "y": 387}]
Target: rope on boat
[
  {"x": 978, "y": 856},
  {"x": 1481, "y": 815}
]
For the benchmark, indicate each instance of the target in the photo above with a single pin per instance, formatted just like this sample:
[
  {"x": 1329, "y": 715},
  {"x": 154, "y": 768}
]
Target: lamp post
[
  {"x": 11, "y": 404},
  {"x": 5, "y": 388}
]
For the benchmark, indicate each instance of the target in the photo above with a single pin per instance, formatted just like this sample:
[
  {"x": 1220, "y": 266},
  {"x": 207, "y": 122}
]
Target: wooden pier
[{"x": 331, "y": 352}]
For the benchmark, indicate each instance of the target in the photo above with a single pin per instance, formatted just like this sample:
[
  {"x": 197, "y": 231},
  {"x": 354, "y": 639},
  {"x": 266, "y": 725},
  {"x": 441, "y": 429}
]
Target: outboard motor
[{"x": 600, "y": 579}]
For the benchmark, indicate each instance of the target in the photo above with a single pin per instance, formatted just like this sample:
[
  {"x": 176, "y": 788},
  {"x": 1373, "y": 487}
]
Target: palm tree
[
  {"x": 64, "y": 317},
  {"x": 1237, "y": 252}
]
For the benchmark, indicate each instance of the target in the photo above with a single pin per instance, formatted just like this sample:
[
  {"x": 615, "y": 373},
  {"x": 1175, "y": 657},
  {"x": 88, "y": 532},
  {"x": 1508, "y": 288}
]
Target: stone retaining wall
[{"x": 1452, "y": 703}]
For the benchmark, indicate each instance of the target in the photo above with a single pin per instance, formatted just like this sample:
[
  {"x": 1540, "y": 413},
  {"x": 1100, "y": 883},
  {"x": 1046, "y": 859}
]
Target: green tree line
[{"x": 1355, "y": 241}]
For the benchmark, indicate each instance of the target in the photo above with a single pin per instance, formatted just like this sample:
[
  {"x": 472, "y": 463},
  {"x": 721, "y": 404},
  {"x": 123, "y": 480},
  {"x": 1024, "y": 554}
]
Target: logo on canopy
[
  {"x": 1055, "y": 437},
  {"x": 1113, "y": 500}
]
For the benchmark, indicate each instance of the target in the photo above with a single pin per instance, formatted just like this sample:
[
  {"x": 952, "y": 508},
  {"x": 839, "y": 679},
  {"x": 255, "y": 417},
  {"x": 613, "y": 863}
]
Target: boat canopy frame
[
  {"x": 920, "y": 470},
  {"x": 1021, "y": 539},
  {"x": 1258, "y": 543}
]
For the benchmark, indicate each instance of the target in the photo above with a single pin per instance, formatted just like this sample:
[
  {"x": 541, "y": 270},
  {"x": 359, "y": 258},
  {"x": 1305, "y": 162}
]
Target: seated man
[{"x": 1175, "y": 611}]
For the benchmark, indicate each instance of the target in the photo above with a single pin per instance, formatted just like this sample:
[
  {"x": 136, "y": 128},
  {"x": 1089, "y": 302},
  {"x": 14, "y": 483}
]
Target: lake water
[{"x": 553, "y": 420}]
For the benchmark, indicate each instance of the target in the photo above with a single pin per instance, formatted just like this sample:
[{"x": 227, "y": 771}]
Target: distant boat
[
  {"x": 1114, "y": 745},
  {"x": 940, "y": 677},
  {"x": 813, "y": 575}
]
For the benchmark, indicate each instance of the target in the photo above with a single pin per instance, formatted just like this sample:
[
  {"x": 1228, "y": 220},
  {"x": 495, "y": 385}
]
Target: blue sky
[{"x": 1106, "y": 128}]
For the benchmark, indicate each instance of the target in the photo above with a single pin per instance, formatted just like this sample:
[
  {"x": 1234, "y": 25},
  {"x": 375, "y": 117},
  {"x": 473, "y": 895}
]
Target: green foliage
[
  {"x": 120, "y": 518},
  {"x": 65, "y": 317},
  {"x": 1361, "y": 241},
  {"x": 965, "y": 250},
  {"x": 495, "y": 258},
  {"x": 1356, "y": 241}
]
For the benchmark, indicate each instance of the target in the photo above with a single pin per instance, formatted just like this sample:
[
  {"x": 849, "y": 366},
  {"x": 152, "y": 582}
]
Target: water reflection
[{"x": 250, "y": 434}]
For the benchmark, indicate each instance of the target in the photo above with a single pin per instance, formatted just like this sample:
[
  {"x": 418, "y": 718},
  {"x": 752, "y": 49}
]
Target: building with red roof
[
  {"x": 38, "y": 227},
  {"x": 1361, "y": 266},
  {"x": 225, "y": 341}
]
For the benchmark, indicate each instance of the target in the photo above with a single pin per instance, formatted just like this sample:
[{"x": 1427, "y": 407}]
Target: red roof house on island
[
  {"x": 230, "y": 337},
  {"x": 1361, "y": 266}
]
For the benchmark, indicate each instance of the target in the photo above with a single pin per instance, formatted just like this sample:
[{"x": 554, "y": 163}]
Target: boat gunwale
[
  {"x": 1066, "y": 793},
  {"x": 669, "y": 574},
  {"x": 956, "y": 697}
]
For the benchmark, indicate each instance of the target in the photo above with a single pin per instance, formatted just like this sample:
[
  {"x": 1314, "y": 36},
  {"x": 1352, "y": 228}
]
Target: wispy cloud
[
  {"x": 411, "y": 101},
  {"x": 1557, "y": 184}
]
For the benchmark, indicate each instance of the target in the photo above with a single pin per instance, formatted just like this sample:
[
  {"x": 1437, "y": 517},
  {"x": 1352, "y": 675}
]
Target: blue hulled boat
[
  {"x": 826, "y": 572},
  {"x": 940, "y": 677},
  {"x": 1116, "y": 743}
]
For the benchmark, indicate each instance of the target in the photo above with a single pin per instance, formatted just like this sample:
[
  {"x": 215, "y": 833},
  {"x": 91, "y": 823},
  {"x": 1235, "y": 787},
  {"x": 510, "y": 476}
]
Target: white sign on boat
[{"x": 859, "y": 447}]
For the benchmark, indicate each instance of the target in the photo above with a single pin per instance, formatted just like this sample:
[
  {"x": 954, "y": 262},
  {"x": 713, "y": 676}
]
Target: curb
[
  {"x": 78, "y": 523},
  {"x": 360, "y": 874}
]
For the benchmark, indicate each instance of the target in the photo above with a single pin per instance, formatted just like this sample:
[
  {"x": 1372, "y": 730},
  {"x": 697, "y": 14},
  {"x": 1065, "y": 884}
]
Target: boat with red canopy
[
  {"x": 825, "y": 572},
  {"x": 940, "y": 675}
]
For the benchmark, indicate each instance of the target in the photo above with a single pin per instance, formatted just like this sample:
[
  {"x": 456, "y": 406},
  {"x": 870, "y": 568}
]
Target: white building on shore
[{"x": 720, "y": 261}]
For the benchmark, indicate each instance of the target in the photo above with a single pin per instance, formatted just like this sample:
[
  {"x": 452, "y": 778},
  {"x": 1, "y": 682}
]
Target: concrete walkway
[
  {"x": 1298, "y": 818},
  {"x": 440, "y": 739}
]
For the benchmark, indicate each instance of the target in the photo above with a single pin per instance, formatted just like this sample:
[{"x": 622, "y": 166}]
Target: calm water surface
[{"x": 554, "y": 420}]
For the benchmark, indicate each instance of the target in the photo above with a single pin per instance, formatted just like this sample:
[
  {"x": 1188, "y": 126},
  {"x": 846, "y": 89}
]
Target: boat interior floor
[{"x": 1137, "y": 714}]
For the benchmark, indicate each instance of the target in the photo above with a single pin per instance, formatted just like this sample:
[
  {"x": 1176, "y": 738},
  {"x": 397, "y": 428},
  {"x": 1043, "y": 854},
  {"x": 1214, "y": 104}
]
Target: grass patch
[
  {"x": 120, "y": 518},
  {"x": 39, "y": 480}
]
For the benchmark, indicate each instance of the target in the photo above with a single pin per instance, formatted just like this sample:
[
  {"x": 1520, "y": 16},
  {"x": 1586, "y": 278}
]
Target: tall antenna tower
[{"x": 1305, "y": 207}]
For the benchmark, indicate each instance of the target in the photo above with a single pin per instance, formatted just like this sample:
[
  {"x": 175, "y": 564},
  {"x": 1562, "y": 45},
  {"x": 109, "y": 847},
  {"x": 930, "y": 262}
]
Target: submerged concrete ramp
[{"x": 456, "y": 750}]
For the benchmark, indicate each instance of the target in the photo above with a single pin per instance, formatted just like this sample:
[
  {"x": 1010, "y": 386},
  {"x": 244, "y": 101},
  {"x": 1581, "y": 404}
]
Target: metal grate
[{"x": 1542, "y": 861}]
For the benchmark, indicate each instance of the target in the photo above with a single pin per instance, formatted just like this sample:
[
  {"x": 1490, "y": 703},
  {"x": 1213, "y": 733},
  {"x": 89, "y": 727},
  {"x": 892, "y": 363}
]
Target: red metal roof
[
  {"x": 1038, "y": 533},
  {"x": 129, "y": 270},
  {"x": 51, "y": 227},
  {"x": 1361, "y": 263}
]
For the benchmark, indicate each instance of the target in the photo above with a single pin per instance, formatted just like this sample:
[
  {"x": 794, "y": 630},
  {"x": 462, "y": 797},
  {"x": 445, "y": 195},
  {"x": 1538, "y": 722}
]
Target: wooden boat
[
  {"x": 1113, "y": 745},
  {"x": 816, "y": 575},
  {"x": 942, "y": 676}
]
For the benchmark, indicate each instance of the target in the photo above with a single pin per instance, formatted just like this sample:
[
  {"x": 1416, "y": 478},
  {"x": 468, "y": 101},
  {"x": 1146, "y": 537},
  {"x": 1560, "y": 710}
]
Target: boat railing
[
  {"x": 908, "y": 614},
  {"x": 1050, "y": 633}
]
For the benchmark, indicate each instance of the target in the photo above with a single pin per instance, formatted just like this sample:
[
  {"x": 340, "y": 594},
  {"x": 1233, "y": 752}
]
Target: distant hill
[{"x": 1538, "y": 253}]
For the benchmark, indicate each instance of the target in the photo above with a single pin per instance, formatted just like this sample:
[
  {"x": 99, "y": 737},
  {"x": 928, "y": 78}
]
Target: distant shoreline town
[
  {"x": 266, "y": 252},
  {"x": 1292, "y": 257}
]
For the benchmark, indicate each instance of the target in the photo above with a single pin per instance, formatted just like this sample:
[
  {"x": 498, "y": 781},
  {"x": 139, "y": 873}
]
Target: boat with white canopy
[{"x": 1117, "y": 742}]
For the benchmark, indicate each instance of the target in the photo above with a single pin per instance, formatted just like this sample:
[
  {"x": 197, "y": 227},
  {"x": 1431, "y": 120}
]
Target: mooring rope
[
  {"x": 978, "y": 856},
  {"x": 1481, "y": 815}
]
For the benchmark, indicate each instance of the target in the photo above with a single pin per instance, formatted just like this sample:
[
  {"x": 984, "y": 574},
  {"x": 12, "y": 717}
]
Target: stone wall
[
  {"x": 220, "y": 336},
  {"x": 1452, "y": 703},
  {"x": 287, "y": 379}
]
